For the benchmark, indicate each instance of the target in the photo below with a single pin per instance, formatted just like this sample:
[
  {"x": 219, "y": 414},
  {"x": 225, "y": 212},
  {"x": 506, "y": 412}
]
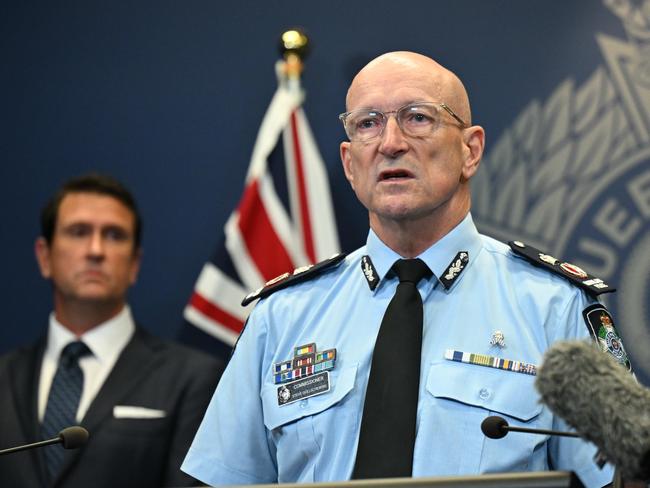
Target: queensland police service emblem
[
  {"x": 602, "y": 328},
  {"x": 572, "y": 177},
  {"x": 284, "y": 395}
]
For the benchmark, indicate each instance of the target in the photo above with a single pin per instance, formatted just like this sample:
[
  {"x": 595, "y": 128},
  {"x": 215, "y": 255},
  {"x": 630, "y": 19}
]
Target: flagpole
[
  {"x": 294, "y": 47},
  {"x": 262, "y": 238}
]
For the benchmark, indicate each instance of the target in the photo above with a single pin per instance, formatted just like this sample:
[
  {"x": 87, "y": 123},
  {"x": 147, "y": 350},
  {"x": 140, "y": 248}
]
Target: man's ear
[
  {"x": 135, "y": 265},
  {"x": 42, "y": 251},
  {"x": 474, "y": 139},
  {"x": 346, "y": 160}
]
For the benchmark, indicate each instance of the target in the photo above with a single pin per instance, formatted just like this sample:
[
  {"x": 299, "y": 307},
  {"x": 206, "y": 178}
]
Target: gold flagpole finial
[{"x": 294, "y": 47}]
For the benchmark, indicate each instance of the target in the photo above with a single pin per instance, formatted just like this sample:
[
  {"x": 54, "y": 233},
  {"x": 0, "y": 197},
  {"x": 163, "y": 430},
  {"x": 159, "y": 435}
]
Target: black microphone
[
  {"x": 601, "y": 400},
  {"x": 71, "y": 438},
  {"x": 496, "y": 427}
]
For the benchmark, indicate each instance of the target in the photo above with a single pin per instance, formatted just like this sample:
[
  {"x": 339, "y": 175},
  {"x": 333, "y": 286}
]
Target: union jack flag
[{"x": 262, "y": 238}]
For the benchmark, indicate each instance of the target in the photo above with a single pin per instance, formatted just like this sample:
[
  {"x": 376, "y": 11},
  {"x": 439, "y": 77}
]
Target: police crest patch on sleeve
[{"x": 601, "y": 327}]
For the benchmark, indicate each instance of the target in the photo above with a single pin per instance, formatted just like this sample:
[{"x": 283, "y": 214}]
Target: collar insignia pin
[
  {"x": 455, "y": 268},
  {"x": 369, "y": 272}
]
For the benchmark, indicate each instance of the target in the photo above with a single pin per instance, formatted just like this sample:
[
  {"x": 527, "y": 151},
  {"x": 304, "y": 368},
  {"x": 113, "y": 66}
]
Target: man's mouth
[
  {"x": 394, "y": 174},
  {"x": 93, "y": 274}
]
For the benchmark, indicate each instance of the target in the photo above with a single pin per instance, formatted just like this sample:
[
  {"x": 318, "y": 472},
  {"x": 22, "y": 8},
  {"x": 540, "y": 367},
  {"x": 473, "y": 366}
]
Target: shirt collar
[
  {"x": 462, "y": 238},
  {"x": 105, "y": 341}
]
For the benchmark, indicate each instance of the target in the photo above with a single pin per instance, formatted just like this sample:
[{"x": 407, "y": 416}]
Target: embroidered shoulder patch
[
  {"x": 601, "y": 327},
  {"x": 579, "y": 277},
  {"x": 298, "y": 275}
]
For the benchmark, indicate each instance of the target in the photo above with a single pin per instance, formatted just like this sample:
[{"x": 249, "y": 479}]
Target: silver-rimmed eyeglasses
[{"x": 414, "y": 119}]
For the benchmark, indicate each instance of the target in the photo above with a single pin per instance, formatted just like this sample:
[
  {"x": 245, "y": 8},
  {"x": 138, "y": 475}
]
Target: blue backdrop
[{"x": 168, "y": 96}]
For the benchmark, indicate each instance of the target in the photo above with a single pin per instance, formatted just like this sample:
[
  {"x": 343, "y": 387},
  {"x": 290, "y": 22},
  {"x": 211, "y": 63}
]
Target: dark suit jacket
[{"x": 121, "y": 452}]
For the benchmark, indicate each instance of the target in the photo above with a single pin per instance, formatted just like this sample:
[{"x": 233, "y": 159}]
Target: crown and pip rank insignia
[{"x": 576, "y": 275}]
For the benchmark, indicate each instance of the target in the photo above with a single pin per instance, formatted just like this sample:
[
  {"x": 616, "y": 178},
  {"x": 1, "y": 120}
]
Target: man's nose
[
  {"x": 393, "y": 141},
  {"x": 96, "y": 245}
]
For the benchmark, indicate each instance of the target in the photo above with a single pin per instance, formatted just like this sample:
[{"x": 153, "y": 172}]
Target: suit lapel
[
  {"x": 24, "y": 385},
  {"x": 26, "y": 369},
  {"x": 133, "y": 366}
]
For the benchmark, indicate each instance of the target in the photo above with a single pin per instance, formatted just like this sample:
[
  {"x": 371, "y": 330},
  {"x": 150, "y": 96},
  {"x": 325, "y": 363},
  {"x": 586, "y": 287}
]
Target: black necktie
[
  {"x": 388, "y": 424},
  {"x": 63, "y": 402}
]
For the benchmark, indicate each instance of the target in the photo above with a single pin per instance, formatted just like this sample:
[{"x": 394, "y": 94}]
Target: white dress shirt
[{"x": 106, "y": 342}]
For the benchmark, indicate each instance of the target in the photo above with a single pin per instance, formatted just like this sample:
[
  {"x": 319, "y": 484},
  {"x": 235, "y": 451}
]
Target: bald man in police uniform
[{"x": 289, "y": 406}]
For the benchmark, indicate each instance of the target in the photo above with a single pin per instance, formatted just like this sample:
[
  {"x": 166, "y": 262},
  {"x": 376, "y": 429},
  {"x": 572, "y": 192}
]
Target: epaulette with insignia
[
  {"x": 297, "y": 276},
  {"x": 592, "y": 285}
]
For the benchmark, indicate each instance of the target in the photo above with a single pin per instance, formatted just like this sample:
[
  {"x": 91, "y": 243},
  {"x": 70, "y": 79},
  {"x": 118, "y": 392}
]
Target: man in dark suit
[{"x": 141, "y": 398}]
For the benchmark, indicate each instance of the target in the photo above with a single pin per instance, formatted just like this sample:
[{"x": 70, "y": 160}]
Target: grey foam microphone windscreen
[{"x": 601, "y": 400}]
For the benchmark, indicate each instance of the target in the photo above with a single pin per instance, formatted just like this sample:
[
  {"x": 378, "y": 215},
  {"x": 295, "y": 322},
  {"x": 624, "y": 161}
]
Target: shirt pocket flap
[
  {"x": 341, "y": 382},
  {"x": 512, "y": 394}
]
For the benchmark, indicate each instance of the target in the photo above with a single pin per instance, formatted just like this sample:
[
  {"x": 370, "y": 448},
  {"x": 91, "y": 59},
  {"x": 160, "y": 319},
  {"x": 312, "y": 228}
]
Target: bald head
[
  {"x": 413, "y": 174},
  {"x": 408, "y": 69}
]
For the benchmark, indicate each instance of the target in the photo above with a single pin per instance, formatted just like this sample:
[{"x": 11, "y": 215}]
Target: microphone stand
[{"x": 54, "y": 440}]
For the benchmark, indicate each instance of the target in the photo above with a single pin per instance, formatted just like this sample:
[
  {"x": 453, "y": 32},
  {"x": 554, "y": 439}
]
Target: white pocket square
[{"x": 129, "y": 412}]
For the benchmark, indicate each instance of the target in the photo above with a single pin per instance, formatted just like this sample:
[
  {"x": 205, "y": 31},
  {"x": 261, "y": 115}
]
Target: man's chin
[
  {"x": 401, "y": 213},
  {"x": 96, "y": 295}
]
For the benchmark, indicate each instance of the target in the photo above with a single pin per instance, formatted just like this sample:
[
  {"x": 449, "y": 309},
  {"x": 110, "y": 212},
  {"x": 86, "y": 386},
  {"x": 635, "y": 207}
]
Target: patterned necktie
[
  {"x": 63, "y": 402},
  {"x": 387, "y": 433}
]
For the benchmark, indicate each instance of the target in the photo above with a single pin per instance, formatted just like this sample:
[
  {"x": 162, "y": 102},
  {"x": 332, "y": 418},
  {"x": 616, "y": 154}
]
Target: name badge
[{"x": 304, "y": 388}]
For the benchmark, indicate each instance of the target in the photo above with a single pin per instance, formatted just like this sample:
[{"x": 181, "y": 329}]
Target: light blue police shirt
[{"x": 247, "y": 437}]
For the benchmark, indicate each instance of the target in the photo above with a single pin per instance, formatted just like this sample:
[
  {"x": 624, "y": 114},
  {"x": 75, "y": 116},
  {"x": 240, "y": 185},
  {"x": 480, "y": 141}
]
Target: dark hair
[{"x": 89, "y": 183}]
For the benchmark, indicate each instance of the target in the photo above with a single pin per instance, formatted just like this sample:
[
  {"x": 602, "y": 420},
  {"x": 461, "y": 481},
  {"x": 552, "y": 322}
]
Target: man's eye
[
  {"x": 77, "y": 230},
  {"x": 116, "y": 234},
  {"x": 367, "y": 123},
  {"x": 418, "y": 118}
]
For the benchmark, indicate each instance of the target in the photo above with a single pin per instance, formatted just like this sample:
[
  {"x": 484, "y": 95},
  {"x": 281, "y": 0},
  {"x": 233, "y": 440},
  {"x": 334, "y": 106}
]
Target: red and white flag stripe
[
  {"x": 311, "y": 202},
  {"x": 262, "y": 239},
  {"x": 221, "y": 317}
]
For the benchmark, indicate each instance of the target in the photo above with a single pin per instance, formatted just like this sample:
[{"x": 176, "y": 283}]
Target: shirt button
[
  {"x": 303, "y": 403},
  {"x": 484, "y": 393}
]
